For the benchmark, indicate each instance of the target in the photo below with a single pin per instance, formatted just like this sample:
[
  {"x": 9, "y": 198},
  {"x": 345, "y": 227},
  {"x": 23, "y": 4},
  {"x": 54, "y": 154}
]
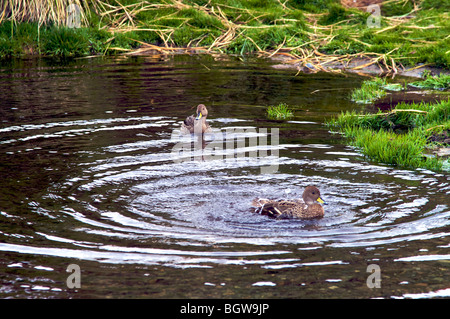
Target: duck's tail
[
  {"x": 266, "y": 207},
  {"x": 259, "y": 202}
]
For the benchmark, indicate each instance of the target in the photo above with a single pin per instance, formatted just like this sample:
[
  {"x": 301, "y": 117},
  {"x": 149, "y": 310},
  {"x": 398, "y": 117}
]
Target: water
[{"x": 92, "y": 176}]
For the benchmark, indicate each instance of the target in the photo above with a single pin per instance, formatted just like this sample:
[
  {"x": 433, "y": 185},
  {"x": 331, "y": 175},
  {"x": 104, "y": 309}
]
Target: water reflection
[{"x": 92, "y": 170}]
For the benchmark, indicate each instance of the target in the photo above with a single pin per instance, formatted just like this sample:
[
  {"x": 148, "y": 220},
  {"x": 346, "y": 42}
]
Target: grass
[
  {"x": 65, "y": 42},
  {"x": 309, "y": 32},
  {"x": 370, "y": 91},
  {"x": 28, "y": 38},
  {"x": 399, "y": 137},
  {"x": 404, "y": 150},
  {"x": 279, "y": 112},
  {"x": 374, "y": 89},
  {"x": 441, "y": 82}
]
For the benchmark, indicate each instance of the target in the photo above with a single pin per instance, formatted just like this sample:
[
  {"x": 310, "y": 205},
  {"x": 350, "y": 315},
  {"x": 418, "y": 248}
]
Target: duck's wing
[
  {"x": 188, "y": 125},
  {"x": 258, "y": 202},
  {"x": 189, "y": 121},
  {"x": 273, "y": 208}
]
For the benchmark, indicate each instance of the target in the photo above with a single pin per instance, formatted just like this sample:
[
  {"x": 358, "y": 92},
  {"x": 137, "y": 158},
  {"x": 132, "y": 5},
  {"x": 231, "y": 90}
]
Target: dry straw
[{"x": 40, "y": 11}]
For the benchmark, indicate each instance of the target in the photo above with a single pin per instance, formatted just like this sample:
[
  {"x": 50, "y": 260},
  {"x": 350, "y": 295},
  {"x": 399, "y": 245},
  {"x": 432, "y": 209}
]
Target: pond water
[{"x": 95, "y": 174}]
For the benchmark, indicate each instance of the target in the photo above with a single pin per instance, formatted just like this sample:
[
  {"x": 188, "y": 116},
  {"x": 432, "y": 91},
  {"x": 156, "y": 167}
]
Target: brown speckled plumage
[
  {"x": 309, "y": 208},
  {"x": 196, "y": 123}
]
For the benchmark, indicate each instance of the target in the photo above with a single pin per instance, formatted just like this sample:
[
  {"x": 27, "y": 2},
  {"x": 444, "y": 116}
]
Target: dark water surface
[{"x": 94, "y": 173}]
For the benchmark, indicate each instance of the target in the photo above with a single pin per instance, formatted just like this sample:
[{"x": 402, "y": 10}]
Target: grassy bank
[
  {"x": 410, "y": 32},
  {"x": 409, "y": 135}
]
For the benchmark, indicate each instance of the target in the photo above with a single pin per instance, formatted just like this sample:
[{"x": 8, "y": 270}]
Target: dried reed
[{"x": 40, "y": 11}]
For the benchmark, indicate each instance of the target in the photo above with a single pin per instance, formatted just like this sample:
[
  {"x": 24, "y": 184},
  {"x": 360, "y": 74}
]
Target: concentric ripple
[
  {"x": 139, "y": 192},
  {"x": 120, "y": 185}
]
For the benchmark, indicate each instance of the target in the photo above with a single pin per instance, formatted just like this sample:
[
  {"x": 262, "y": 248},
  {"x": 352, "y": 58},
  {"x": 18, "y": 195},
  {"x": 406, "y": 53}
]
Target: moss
[
  {"x": 241, "y": 46},
  {"x": 269, "y": 38},
  {"x": 123, "y": 40},
  {"x": 397, "y": 8},
  {"x": 315, "y": 6},
  {"x": 434, "y": 54},
  {"x": 186, "y": 35},
  {"x": 343, "y": 44},
  {"x": 336, "y": 13},
  {"x": 436, "y": 4},
  {"x": 200, "y": 19},
  {"x": 266, "y": 38}
]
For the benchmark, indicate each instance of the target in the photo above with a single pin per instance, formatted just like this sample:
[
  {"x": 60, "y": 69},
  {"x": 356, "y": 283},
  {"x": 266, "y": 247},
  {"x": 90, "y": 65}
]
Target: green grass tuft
[
  {"x": 441, "y": 82},
  {"x": 279, "y": 112},
  {"x": 370, "y": 91},
  {"x": 65, "y": 42}
]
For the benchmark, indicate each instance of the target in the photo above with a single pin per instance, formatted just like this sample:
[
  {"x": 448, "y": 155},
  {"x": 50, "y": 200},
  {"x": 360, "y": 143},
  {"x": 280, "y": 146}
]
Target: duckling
[
  {"x": 196, "y": 124},
  {"x": 309, "y": 208}
]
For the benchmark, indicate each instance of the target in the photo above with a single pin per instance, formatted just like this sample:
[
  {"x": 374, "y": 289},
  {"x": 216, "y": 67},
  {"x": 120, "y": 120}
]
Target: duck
[
  {"x": 308, "y": 208},
  {"x": 196, "y": 123}
]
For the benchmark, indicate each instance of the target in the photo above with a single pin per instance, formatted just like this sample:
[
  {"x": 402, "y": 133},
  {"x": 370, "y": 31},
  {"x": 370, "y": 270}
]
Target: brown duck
[
  {"x": 196, "y": 123},
  {"x": 309, "y": 208}
]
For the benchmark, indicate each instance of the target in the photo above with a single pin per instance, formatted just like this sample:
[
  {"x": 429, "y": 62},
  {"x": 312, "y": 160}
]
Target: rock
[{"x": 444, "y": 151}]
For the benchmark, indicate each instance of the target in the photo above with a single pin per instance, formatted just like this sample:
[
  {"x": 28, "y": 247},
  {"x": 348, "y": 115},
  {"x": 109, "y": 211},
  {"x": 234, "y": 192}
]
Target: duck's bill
[
  {"x": 320, "y": 200},
  {"x": 199, "y": 116}
]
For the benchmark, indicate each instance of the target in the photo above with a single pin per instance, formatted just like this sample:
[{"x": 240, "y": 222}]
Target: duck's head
[
  {"x": 201, "y": 111},
  {"x": 311, "y": 195}
]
